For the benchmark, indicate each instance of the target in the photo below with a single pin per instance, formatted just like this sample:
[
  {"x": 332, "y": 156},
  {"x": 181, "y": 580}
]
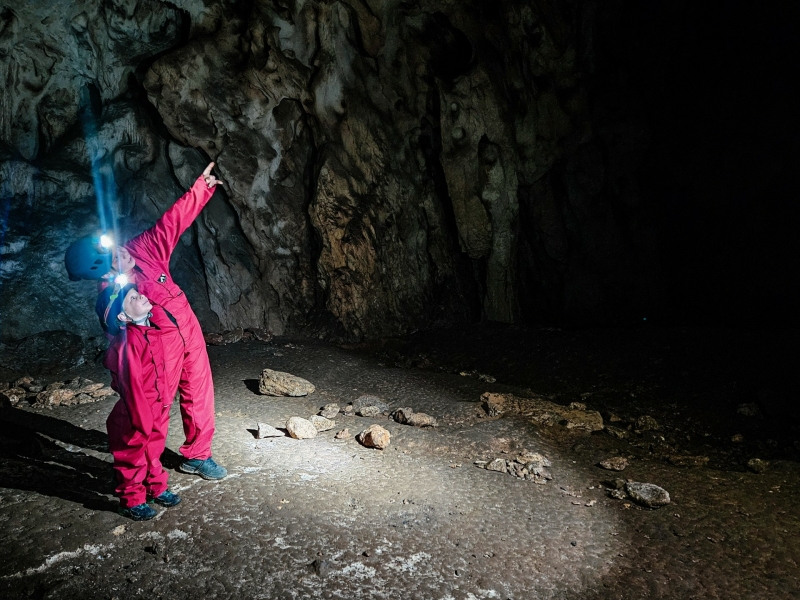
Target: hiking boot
[
  {"x": 166, "y": 499},
  {"x": 141, "y": 512},
  {"x": 207, "y": 469}
]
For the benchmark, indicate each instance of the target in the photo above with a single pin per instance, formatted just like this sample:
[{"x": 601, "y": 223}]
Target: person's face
[
  {"x": 122, "y": 261},
  {"x": 136, "y": 305}
]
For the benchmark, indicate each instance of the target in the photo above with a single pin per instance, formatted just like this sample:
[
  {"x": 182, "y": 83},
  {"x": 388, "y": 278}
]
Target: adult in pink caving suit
[{"x": 145, "y": 262}]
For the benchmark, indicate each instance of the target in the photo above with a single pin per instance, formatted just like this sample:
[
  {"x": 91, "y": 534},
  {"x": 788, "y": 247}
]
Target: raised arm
[{"x": 160, "y": 240}]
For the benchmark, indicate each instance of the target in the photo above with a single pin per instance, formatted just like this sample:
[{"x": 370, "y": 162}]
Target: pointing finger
[{"x": 208, "y": 169}]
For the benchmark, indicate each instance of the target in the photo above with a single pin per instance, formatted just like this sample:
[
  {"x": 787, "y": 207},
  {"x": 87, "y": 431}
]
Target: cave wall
[{"x": 388, "y": 165}]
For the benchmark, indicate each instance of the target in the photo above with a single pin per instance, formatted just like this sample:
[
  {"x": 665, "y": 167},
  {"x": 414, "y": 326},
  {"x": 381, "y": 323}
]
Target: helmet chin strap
[{"x": 143, "y": 321}]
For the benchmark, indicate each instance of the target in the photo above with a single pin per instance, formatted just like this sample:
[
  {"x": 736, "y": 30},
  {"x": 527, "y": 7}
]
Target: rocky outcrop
[{"x": 387, "y": 166}]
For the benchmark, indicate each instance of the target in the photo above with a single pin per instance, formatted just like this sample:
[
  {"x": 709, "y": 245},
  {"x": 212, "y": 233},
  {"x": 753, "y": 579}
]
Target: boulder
[{"x": 277, "y": 383}]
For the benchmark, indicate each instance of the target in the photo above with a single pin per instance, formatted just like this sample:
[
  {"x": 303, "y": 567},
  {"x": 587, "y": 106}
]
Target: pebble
[
  {"x": 647, "y": 494},
  {"x": 277, "y": 383},
  {"x": 617, "y": 432},
  {"x": 321, "y": 423},
  {"x": 267, "y": 431},
  {"x": 374, "y": 436},
  {"x": 737, "y": 438},
  {"x": 615, "y": 463},
  {"x": 300, "y": 428},
  {"x": 329, "y": 411},
  {"x": 344, "y": 434},
  {"x": 756, "y": 465},
  {"x": 348, "y": 410}
]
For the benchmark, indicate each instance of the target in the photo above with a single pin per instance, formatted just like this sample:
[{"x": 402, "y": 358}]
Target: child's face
[
  {"x": 136, "y": 305},
  {"x": 122, "y": 262}
]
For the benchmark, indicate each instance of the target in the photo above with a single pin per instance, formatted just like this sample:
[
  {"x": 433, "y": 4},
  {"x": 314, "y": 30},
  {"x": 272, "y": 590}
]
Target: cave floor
[{"x": 325, "y": 518}]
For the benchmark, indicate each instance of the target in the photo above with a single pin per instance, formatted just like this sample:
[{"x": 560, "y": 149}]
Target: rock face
[
  {"x": 386, "y": 165},
  {"x": 277, "y": 383}
]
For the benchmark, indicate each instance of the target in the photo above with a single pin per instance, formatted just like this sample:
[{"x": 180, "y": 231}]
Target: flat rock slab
[
  {"x": 543, "y": 411},
  {"x": 647, "y": 494},
  {"x": 277, "y": 383},
  {"x": 267, "y": 431}
]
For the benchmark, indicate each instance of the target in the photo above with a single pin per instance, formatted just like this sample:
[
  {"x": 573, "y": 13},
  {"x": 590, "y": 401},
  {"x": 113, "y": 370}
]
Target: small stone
[
  {"x": 756, "y": 465},
  {"x": 329, "y": 411},
  {"x": 647, "y": 494},
  {"x": 616, "y": 432},
  {"x": 348, "y": 411},
  {"x": 615, "y": 463},
  {"x": 15, "y": 395},
  {"x": 83, "y": 399},
  {"x": 577, "y": 406},
  {"x": 369, "y": 400},
  {"x": 301, "y": 429},
  {"x": 344, "y": 434},
  {"x": 56, "y": 385},
  {"x": 374, "y": 436},
  {"x": 54, "y": 397},
  {"x": 22, "y": 382},
  {"x": 214, "y": 339},
  {"x": 646, "y": 423},
  {"x": 267, "y": 431},
  {"x": 102, "y": 392},
  {"x": 369, "y": 411},
  {"x": 233, "y": 336},
  {"x": 486, "y": 378},
  {"x": 749, "y": 409},
  {"x": 262, "y": 335},
  {"x": 494, "y": 405},
  {"x": 681, "y": 460},
  {"x": 498, "y": 464},
  {"x": 737, "y": 438},
  {"x": 617, "y": 494},
  {"x": 277, "y": 383},
  {"x": 321, "y": 423},
  {"x": 407, "y": 416}
]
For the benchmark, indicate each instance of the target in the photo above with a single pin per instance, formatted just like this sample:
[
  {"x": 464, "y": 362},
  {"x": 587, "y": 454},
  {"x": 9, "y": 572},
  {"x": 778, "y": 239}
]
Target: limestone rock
[
  {"x": 542, "y": 411},
  {"x": 344, "y": 434},
  {"x": 407, "y": 416},
  {"x": 646, "y": 423},
  {"x": 233, "y": 336},
  {"x": 102, "y": 392},
  {"x": 15, "y": 395},
  {"x": 374, "y": 436},
  {"x": 277, "y": 383},
  {"x": 348, "y": 411},
  {"x": 756, "y": 465},
  {"x": 615, "y": 463},
  {"x": 647, "y": 494},
  {"x": 301, "y": 429},
  {"x": 368, "y": 411},
  {"x": 368, "y": 400},
  {"x": 329, "y": 411},
  {"x": 498, "y": 464},
  {"x": 321, "y": 423},
  {"x": 54, "y": 397},
  {"x": 262, "y": 335},
  {"x": 268, "y": 431}
]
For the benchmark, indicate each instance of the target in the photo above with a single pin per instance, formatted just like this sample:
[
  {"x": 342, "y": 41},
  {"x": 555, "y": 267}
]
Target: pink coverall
[
  {"x": 185, "y": 353},
  {"x": 138, "y": 423}
]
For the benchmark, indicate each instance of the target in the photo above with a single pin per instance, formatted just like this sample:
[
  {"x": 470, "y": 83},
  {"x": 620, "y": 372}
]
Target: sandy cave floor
[{"x": 325, "y": 518}]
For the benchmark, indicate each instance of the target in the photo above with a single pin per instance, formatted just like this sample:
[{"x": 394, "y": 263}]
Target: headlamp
[
  {"x": 121, "y": 280},
  {"x": 106, "y": 241}
]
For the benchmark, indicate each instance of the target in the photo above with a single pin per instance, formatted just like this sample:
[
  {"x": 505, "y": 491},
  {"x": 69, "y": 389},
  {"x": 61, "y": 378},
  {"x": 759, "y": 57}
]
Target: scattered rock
[
  {"x": 617, "y": 432},
  {"x": 329, "y": 411},
  {"x": 262, "y": 335},
  {"x": 267, "y": 431},
  {"x": 749, "y": 409},
  {"x": 756, "y": 465},
  {"x": 14, "y": 395},
  {"x": 55, "y": 397},
  {"x": 232, "y": 336},
  {"x": 369, "y": 411},
  {"x": 348, "y": 411},
  {"x": 368, "y": 400},
  {"x": 615, "y": 484},
  {"x": 737, "y": 438},
  {"x": 301, "y": 429},
  {"x": 647, "y": 494},
  {"x": 646, "y": 423},
  {"x": 321, "y": 423},
  {"x": 344, "y": 434},
  {"x": 615, "y": 463},
  {"x": 407, "y": 416},
  {"x": 102, "y": 392},
  {"x": 498, "y": 464},
  {"x": 617, "y": 494},
  {"x": 213, "y": 339},
  {"x": 486, "y": 378},
  {"x": 374, "y": 436},
  {"x": 682, "y": 460},
  {"x": 538, "y": 468},
  {"x": 321, "y": 567},
  {"x": 542, "y": 411},
  {"x": 277, "y": 383},
  {"x": 577, "y": 406}
]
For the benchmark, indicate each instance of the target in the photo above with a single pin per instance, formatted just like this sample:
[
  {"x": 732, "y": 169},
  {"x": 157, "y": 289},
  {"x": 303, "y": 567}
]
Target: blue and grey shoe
[
  {"x": 207, "y": 469},
  {"x": 167, "y": 499},
  {"x": 140, "y": 512}
]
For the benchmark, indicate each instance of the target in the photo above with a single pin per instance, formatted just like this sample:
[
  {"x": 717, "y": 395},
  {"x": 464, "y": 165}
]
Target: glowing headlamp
[
  {"x": 121, "y": 280},
  {"x": 106, "y": 241}
]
